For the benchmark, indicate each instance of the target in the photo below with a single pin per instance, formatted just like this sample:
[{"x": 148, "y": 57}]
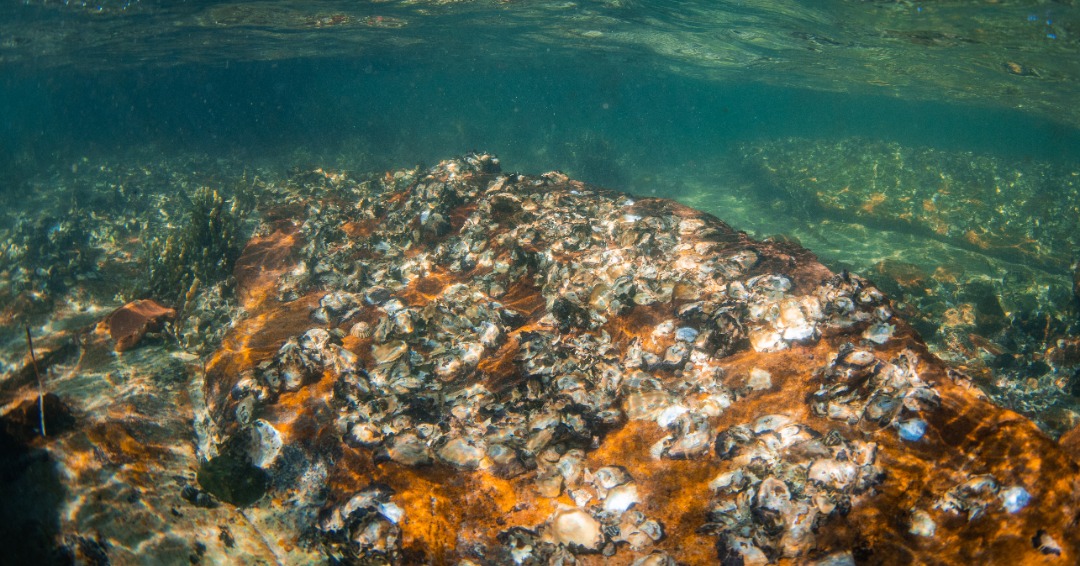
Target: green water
[
  {"x": 931, "y": 146},
  {"x": 738, "y": 108},
  {"x": 419, "y": 79}
]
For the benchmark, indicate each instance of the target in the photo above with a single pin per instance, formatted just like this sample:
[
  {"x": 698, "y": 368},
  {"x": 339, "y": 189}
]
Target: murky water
[{"x": 932, "y": 147}]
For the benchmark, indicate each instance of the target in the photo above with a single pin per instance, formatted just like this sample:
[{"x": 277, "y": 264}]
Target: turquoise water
[
  {"x": 419, "y": 80},
  {"x": 734, "y": 107},
  {"x": 932, "y": 146},
  {"x": 404, "y": 111}
]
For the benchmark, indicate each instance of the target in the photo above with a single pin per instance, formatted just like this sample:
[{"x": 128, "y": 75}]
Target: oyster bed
[
  {"x": 981, "y": 267},
  {"x": 464, "y": 365},
  {"x": 555, "y": 355}
]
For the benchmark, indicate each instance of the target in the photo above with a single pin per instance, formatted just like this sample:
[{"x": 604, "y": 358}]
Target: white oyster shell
[{"x": 575, "y": 527}]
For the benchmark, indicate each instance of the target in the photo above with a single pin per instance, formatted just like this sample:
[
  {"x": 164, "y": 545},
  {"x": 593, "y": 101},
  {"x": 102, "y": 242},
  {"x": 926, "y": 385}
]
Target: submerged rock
[
  {"x": 127, "y": 325},
  {"x": 467, "y": 366},
  {"x": 233, "y": 477},
  {"x": 534, "y": 369}
]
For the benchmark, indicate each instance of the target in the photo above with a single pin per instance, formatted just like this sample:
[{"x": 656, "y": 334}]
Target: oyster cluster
[
  {"x": 456, "y": 372},
  {"x": 365, "y": 525},
  {"x": 971, "y": 498},
  {"x": 606, "y": 514},
  {"x": 499, "y": 328},
  {"x": 785, "y": 479},
  {"x": 972, "y": 258},
  {"x": 861, "y": 390},
  {"x": 47, "y": 253}
]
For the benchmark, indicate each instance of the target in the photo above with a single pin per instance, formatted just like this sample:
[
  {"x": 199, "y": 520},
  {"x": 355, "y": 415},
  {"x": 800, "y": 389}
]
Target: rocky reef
[
  {"x": 985, "y": 275},
  {"x": 463, "y": 365},
  {"x": 478, "y": 367}
]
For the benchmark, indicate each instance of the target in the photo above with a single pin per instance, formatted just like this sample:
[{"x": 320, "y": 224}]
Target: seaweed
[{"x": 202, "y": 251}]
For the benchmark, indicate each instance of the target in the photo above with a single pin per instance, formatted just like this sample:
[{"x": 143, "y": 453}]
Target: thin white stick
[{"x": 40, "y": 385}]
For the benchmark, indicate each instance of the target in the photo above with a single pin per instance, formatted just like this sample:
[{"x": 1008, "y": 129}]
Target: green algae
[
  {"x": 202, "y": 251},
  {"x": 233, "y": 479},
  {"x": 231, "y": 476}
]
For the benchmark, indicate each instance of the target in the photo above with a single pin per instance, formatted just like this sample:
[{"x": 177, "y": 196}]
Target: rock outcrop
[{"x": 471, "y": 366}]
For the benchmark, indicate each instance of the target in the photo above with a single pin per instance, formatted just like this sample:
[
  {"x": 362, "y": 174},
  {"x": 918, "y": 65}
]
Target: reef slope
[{"x": 469, "y": 366}]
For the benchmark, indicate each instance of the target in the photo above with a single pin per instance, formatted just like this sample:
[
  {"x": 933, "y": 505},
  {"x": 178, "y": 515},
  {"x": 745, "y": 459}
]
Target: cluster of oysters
[{"x": 488, "y": 368}]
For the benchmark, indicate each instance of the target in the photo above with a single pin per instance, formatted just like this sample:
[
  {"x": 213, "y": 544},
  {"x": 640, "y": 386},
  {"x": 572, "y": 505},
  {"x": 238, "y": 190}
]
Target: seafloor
[
  {"x": 977, "y": 250},
  {"x": 466, "y": 365}
]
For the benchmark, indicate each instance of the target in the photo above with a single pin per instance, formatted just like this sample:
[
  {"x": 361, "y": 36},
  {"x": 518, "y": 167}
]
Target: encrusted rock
[{"x": 534, "y": 370}]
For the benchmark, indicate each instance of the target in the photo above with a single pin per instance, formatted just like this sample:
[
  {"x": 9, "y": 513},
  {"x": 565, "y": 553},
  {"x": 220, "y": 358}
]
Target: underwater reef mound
[
  {"x": 477, "y": 367},
  {"x": 985, "y": 274}
]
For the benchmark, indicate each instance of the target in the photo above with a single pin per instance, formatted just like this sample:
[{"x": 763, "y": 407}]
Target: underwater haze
[
  {"x": 677, "y": 81},
  {"x": 931, "y": 147}
]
